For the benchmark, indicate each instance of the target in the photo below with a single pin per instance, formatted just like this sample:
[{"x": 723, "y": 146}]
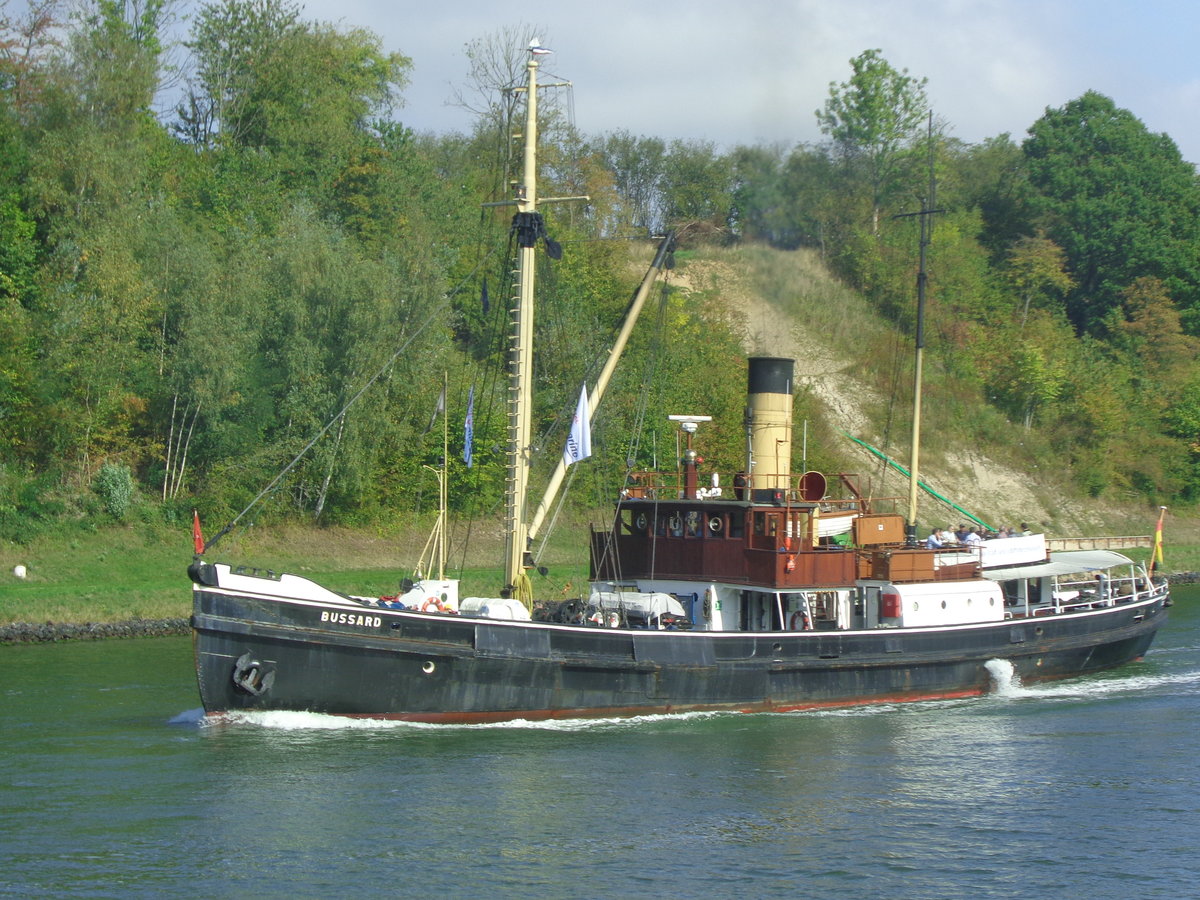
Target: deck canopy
[{"x": 1062, "y": 562}]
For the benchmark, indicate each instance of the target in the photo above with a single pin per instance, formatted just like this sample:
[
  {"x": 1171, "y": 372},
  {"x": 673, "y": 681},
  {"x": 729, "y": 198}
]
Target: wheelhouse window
[{"x": 737, "y": 525}]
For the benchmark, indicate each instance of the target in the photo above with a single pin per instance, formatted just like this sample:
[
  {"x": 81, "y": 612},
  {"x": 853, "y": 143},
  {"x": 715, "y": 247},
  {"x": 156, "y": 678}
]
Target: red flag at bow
[{"x": 197, "y": 537}]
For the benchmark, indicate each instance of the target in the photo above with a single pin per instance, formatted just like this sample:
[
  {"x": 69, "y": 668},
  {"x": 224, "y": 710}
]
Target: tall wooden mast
[
  {"x": 528, "y": 227},
  {"x": 520, "y": 391}
]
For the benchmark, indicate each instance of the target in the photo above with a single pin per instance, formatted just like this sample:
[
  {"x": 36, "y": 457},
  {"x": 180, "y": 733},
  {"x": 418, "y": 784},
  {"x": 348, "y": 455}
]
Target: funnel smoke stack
[{"x": 769, "y": 422}]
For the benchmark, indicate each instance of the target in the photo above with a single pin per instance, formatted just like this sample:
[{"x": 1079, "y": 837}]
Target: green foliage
[
  {"x": 257, "y": 87},
  {"x": 200, "y": 299},
  {"x": 28, "y": 504},
  {"x": 697, "y": 184},
  {"x": 876, "y": 112},
  {"x": 114, "y": 484},
  {"x": 874, "y": 120},
  {"x": 1037, "y": 270},
  {"x": 1101, "y": 181},
  {"x": 638, "y": 167}
]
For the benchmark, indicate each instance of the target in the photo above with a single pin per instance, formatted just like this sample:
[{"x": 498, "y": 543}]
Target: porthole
[
  {"x": 916, "y": 606},
  {"x": 428, "y": 667},
  {"x": 775, "y": 648},
  {"x": 943, "y": 604}
]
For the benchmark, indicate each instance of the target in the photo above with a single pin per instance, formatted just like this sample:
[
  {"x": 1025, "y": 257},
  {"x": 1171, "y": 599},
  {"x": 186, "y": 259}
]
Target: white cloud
[{"x": 757, "y": 71}]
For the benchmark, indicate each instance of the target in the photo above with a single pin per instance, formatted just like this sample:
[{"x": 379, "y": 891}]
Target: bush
[
  {"x": 114, "y": 484},
  {"x": 27, "y": 505}
]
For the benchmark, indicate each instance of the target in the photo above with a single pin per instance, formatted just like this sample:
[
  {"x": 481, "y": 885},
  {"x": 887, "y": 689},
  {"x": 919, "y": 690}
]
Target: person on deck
[
  {"x": 973, "y": 537},
  {"x": 935, "y": 539}
]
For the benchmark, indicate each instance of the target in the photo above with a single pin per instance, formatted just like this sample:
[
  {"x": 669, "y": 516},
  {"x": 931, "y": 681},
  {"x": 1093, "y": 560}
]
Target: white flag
[{"x": 579, "y": 441}]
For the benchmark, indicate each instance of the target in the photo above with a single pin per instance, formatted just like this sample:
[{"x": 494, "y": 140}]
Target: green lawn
[{"x": 140, "y": 571}]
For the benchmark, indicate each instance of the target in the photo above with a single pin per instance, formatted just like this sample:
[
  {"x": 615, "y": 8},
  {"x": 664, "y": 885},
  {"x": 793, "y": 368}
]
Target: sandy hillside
[{"x": 985, "y": 487}]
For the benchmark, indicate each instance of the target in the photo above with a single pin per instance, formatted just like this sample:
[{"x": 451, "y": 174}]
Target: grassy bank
[{"x": 140, "y": 571}]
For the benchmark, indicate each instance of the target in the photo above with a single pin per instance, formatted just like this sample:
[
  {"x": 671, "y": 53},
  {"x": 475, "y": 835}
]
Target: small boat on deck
[{"x": 759, "y": 591}]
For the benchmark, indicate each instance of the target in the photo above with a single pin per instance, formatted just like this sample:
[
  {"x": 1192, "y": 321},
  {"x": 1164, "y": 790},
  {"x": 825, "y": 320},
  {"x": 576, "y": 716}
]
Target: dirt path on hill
[{"x": 998, "y": 495}]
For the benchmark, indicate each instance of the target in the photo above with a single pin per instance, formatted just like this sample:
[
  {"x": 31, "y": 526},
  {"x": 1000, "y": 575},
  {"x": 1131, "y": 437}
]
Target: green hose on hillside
[{"x": 903, "y": 471}]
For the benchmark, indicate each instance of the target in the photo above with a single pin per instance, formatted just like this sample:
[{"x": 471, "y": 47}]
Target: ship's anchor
[{"x": 248, "y": 676}]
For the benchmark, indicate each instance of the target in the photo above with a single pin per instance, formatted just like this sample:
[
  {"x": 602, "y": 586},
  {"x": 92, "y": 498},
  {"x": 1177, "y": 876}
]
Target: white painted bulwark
[
  {"x": 947, "y": 603},
  {"x": 282, "y": 585}
]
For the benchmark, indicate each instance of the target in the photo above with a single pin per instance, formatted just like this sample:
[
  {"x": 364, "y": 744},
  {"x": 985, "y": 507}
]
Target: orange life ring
[
  {"x": 799, "y": 618},
  {"x": 433, "y": 603}
]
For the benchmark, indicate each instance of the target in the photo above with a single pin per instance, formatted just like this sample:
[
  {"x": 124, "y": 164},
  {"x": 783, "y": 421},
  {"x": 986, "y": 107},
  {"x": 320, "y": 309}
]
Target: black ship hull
[{"x": 268, "y": 653}]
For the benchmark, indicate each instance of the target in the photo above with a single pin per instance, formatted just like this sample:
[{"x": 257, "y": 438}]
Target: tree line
[{"x": 190, "y": 299}]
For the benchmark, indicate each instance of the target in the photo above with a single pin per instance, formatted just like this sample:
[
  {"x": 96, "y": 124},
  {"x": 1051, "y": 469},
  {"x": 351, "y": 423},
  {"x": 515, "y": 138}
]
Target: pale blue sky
[{"x": 756, "y": 70}]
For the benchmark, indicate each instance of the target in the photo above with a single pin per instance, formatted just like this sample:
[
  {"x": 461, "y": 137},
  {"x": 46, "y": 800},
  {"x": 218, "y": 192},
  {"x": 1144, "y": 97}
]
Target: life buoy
[
  {"x": 799, "y": 621},
  {"x": 433, "y": 603}
]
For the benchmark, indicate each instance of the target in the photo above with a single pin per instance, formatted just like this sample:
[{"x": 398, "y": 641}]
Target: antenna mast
[{"x": 927, "y": 211}]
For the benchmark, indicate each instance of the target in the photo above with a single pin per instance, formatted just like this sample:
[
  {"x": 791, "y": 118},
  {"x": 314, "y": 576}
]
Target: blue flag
[{"x": 469, "y": 428}]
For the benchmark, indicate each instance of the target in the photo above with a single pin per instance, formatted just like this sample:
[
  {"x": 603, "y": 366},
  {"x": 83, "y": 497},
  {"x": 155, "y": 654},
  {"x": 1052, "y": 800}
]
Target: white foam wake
[
  {"x": 1114, "y": 683},
  {"x": 1005, "y": 681},
  {"x": 310, "y": 721}
]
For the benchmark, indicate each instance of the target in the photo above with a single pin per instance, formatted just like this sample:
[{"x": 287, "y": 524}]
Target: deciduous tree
[
  {"x": 1120, "y": 201},
  {"x": 872, "y": 120}
]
